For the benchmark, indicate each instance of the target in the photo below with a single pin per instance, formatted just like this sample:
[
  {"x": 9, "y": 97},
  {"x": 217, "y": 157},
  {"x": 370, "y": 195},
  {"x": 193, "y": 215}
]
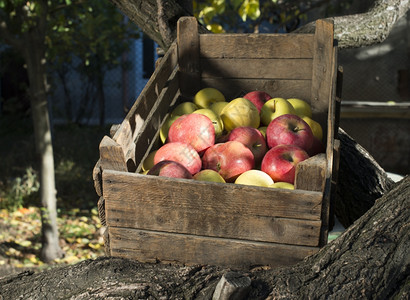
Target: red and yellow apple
[
  {"x": 251, "y": 138},
  {"x": 181, "y": 153},
  {"x": 169, "y": 168},
  {"x": 209, "y": 175},
  {"x": 280, "y": 162},
  {"x": 196, "y": 130},
  {"x": 258, "y": 98},
  {"x": 229, "y": 159},
  {"x": 289, "y": 130},
  {"x": 216, "y": 119}
]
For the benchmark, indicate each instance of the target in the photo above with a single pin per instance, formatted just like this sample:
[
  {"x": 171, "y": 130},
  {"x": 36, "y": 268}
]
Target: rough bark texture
[
  {"x": 368, "y": 261},
  {"x": 372, "y": 27},
  {"x": 361, "y": 181}
]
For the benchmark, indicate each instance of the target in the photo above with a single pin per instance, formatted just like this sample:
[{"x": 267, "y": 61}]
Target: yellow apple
[
  {"x": 163, "y": 131},
  {"x": 315, "y": 126},
  {"x": 254, "y": 177},
  {"x": 240, "y": 112},
  {"x": 148, "y": 162},
  {"x": 184, "y": 108},
  {"x": 218, "y": 106},
  {"x": 262, "y": 129},
  {"x": 282, "y": 185},
  {"x": 275, "y": 107},
  {"x": 206, "y": 96},
  {"x": 301, "y": 107},
  {"x": 209, "y": 175},
  {"x": 216, "y": 120}
]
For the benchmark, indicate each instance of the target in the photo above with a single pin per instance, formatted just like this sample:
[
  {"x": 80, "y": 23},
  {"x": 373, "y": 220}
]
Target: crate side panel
[
  {"x": 256, "y": 45},
  {"x": 149, "y": 246},
  {"x": 143, "y": 215},
  {"x": 233, "y": 88},
  {"x": 257, "y": 68}
]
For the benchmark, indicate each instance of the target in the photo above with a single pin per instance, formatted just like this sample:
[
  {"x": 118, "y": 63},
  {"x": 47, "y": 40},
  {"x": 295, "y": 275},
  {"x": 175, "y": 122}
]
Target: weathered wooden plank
[
  {"x": 150, "y": 246},
  {"x": 233, "y": 88},
  {"x": 97, "y": 178},
  {"x": 136, "y": 117},
  {"x": 311, "y": 173},
  {"x": 132, "y": 213},
  {"x": 257, "y": 68},
  {"x": 256, "y": 45},
  {"x": 111, "y": 155},
  {"x": 188, "y": 56},
  {"x": 212, "y": 198}
]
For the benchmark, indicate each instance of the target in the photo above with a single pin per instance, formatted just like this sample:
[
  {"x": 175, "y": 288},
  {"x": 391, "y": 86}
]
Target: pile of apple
[{"x": 253, "y": 140}]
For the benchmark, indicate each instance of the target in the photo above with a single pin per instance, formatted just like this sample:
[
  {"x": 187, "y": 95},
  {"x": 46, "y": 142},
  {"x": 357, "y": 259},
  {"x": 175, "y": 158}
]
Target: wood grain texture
[
  {"x": 256, "y": 45},
  {"x": 311, "y": 173},
  {"x": 151, "y": 246},
  {"x": 112, "y": 155}
]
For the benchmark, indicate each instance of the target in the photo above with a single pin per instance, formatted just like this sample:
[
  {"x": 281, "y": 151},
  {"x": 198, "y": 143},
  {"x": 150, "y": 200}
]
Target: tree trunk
[
  {"x": 368, "y": 261},
  {"x": 34, "y": 55}
]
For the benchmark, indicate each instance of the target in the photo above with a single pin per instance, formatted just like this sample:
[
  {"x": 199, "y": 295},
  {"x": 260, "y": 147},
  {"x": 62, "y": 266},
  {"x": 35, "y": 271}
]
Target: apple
[
  {"x": 280, "y": 162},
  {"x": 251, "y": 138},
  {"x": 315, "y": 126},
  {"x": 169, "y": 168},
  {"x": 229, "y": 159},
  {"x": 258, "y": 98},
  {"x": 148, "y": 162},
  {"x": 196, "y": 130},
  {"x": 273, "y": 108},
  {"x": 184, "y": 108},
  {"x": 206, "y": 96},
  {"x": 301, "y": 107},
  {"x": 181, "y": 153},
  {"x": 163, "y": 131},
  {"x": 217, "y": 107},
  {"x": 209, "y": 175},
  {"x": 238, "y": 113},
  {"x": 216, "y": 120},
  {"x": 282, "y": 185},
  {"x": 254, "y": 177},
  {"x": 289, "y": 130}
]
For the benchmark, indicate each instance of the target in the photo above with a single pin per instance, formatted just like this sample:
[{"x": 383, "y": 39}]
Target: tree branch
[{"x": 365, "y": 29}]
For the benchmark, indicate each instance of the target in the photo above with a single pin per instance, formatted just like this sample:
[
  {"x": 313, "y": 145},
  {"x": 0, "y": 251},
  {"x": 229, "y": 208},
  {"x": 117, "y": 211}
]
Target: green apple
[
  {"x": 262, "y": 129},
  {"x": 206, "y": 96},
  {"x": 218, "y": 106},
  {"x": 216, "y": 120},
  {"x": 163, "y": 131},
  {"x": 283, "y": 185},
  {"x": 148, "y": 162},
  {"x": 275, "y": 107},
  {"x": 240, "y": 112},
  {"x": 254, "y": 177},
  {"x": 315, "y": 126},
  {"x": 301, "y": 107},
  {"x": 209, "y": 175},
  {"x": 184, "y": 108}
]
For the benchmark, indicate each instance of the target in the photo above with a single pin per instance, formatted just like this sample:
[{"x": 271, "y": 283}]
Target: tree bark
[{"x": 368, "y": 261}]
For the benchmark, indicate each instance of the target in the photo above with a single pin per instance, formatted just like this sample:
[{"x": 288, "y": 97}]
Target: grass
[{"x": 75, "y": 153}]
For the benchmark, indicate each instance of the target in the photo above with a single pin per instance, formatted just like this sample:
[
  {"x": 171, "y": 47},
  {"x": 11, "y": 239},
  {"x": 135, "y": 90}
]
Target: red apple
[
  {"x": 280, "y": 162},
  {"x": 181, "y": 153},
  {"x": 258, "y": 98},
  {"x": 251, "y": 138},
  {"x": 229, "y": 159},
  {"x": 194, "y": 129},
  {"x": 289, "y": 130},
  {"x": 169, "y": 168}
]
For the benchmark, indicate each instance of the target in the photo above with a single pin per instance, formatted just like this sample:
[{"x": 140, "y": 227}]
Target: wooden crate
[{"x": 152, "y": 218}]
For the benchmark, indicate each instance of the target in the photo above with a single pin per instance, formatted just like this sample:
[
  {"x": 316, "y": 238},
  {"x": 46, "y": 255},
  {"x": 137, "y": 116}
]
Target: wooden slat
[
  {"x": 188, "y": 56},
  {"x": 149, "y": 246},
  {"x": 213, "y": 198},
  {"x": 136, "y": 117},
  {"x": 311, "y": 173},
  {"x": 111, "y": 155},
  {"x": 233, "y": 88},
  {"x": 256, "y": 45},
  {"x": 257, "y": 68}
]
